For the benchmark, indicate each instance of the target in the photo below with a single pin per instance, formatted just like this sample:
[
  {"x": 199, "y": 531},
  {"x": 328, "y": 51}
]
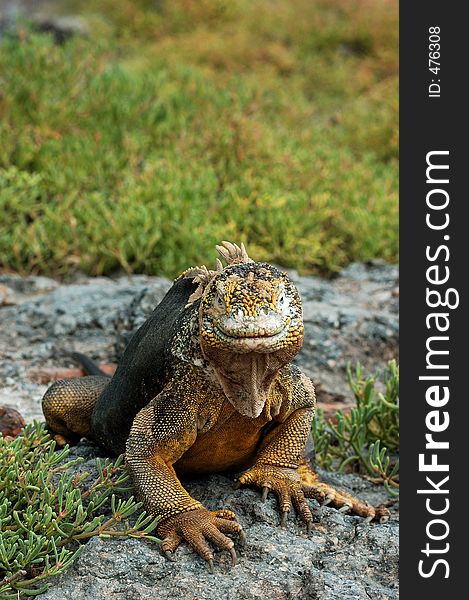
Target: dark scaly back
[{"x": 140, "y": 375}]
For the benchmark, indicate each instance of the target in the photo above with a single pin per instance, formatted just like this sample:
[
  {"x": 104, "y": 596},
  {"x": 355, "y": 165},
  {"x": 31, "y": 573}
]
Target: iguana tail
[{"x": 90, "y": 367}]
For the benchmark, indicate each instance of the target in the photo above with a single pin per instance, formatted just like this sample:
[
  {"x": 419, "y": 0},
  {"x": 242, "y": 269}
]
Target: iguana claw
[
  {"x": 242, "y": 538},
  {"x": 384, "y": 519},
  {"x": 234, "y": 558},
  {"x": 169, "y": 556}
]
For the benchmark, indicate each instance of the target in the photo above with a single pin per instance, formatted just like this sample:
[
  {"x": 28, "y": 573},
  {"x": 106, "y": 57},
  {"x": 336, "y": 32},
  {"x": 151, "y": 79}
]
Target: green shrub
[
  {"x": 366, "y": 440},
  {"x": 174, "y": 127},
  {"x": 45, "y": 512}
]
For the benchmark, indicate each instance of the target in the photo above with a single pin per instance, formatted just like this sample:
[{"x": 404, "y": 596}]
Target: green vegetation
[
  {"x": 174, "y": 125},
  {"x": 366, "y": 440},
  {"x": 45, "y": 511}
]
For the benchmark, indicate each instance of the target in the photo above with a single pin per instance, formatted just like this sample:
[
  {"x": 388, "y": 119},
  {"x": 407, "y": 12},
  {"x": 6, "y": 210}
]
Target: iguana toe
[
  {"x": 344, "y": 502},
  {"x": 283, "y": 518},
  {"x": 265, "y": 493},
  {"x": 60, "y": 440}
]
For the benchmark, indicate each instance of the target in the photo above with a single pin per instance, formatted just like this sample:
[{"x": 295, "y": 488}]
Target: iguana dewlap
[{"x": 206, "y": 385}]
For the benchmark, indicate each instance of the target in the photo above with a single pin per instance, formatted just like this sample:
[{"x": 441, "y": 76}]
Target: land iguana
[{"x": 206, "y": 385}]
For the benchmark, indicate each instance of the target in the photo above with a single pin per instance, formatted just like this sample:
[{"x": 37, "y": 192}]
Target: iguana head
[
  {"x": 250, "y": 325},
  {"x": 251, "y": 307}
]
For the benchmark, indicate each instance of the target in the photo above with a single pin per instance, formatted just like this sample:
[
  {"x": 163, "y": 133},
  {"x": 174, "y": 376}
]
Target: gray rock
[
  {"x": 72, "y": 314},
  {"x": 353, "y": 317},
  {"x": 28, "y": 285},
  {"x": 42, "y": 14},
  {"x": 343, "y": 558},
  {"x": 49, "y": 320},
  {"x": 62, "y": 27}
]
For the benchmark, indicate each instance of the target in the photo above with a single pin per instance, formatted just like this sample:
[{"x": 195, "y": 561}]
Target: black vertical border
[{"x": 428, "y": 124}]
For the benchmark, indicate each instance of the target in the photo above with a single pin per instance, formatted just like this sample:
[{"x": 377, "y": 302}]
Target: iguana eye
[
  {"x": 282, "y": 301},
  {"x": 219, "y": 302}
]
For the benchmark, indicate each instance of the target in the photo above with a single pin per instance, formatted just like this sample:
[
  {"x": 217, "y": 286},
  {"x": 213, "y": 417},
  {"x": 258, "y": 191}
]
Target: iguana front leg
[
  {"x": 276, "y": 465},
  {"x": 160, "y": 434},
  {"x": 281, "y": 468}
]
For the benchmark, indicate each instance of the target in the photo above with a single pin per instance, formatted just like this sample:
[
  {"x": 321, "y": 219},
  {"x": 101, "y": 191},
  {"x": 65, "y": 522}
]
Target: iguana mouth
[
  {"x": 252, "y": 341},
  {"x": 269, "y": 326},
  {"x": 261, "y": 334}
]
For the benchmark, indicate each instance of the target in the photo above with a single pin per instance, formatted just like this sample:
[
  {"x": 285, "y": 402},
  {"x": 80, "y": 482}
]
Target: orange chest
[{"x": 231, "y": 445}]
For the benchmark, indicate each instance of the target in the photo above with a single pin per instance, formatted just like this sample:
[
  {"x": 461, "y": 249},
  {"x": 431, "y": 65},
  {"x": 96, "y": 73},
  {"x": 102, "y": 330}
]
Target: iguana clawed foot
[
  {"x": 197, "y": 527},
  {"x": 286, "y": 484},
  {"x": 292, "y": 490}
]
